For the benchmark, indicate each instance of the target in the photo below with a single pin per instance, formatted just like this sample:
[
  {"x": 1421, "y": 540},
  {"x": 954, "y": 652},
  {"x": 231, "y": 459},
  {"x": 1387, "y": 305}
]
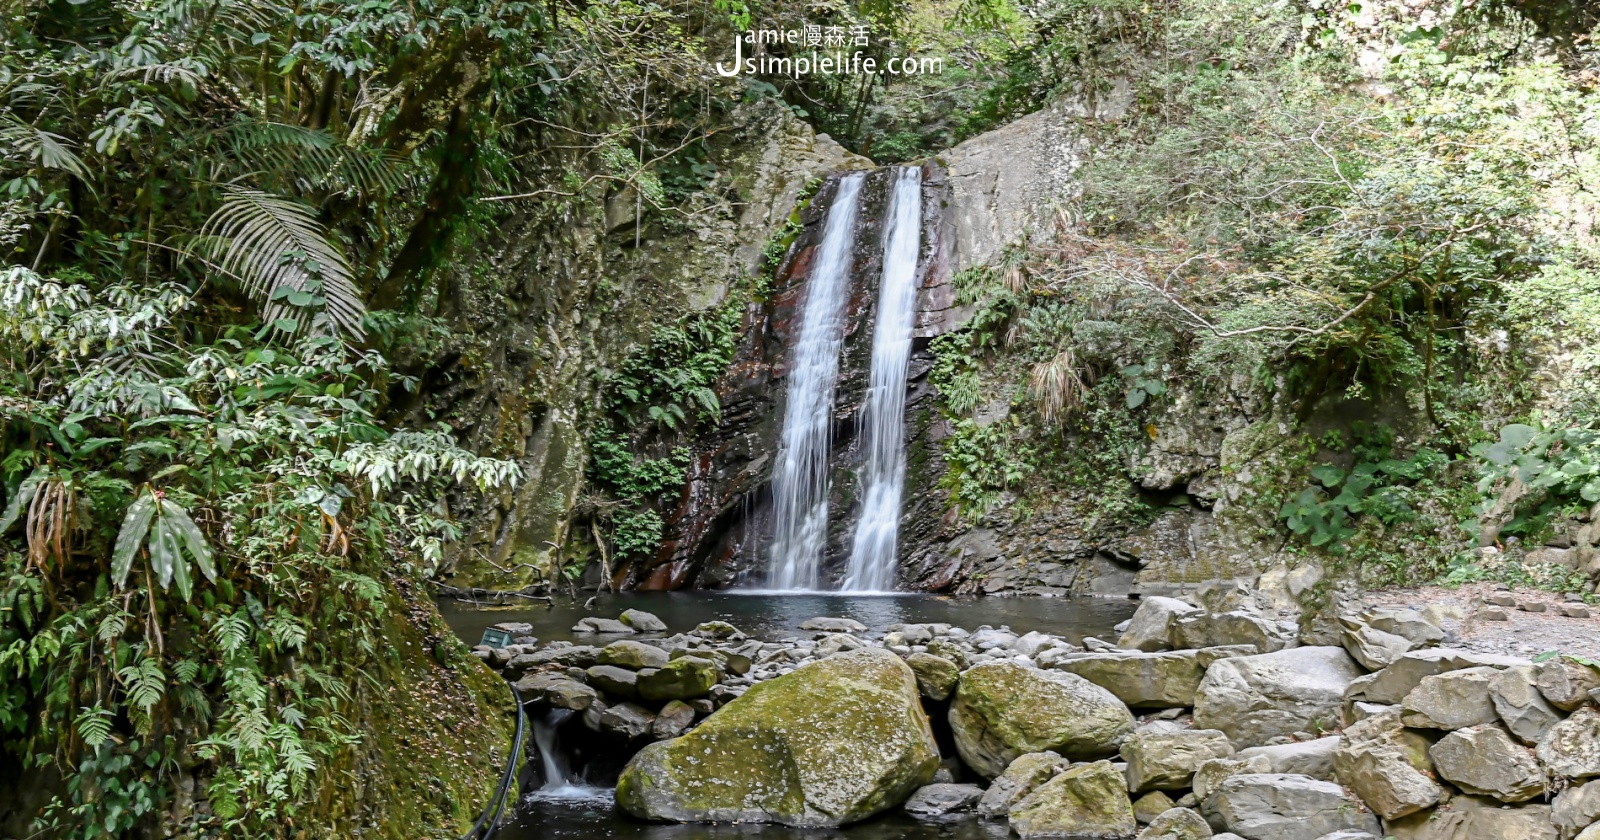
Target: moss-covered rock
[
  {"x": 834, "y": 742},
  {"x": 1003, "y": 710},
  {"x": 936, "y": 676},
  {"x": 1089, "y": 802},
  {"x": 680, "y": 679}
]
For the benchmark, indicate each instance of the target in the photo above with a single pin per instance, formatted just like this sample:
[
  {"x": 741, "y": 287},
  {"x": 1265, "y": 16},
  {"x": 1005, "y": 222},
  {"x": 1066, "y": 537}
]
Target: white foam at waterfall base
[
  {"x": 800, "y": 483},
  {"x": 874, "y": 556}
]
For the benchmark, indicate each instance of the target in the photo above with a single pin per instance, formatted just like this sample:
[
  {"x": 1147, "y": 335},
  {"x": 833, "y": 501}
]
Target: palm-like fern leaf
[
  {"x": 275, "y": 245},
  {"x": 51, "y": 150},
  {"x": 310, "y": 159}
]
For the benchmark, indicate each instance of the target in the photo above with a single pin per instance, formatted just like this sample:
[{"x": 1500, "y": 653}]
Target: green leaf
[
  {"x": 1517, "y": 435},
  {"x": 23, "y": 497},
  {"x": 1591, "y": 491},
  {"x": 191, "y": 537},
  {"x": 135, "y": 524},
  {"x": 1328, "y": 474},
  {"x": 1136, "y": 397},
  {"x": 164, "y": 553},
  {"x": 93, "y": 725},
  {"x": 180, "y": 566}
]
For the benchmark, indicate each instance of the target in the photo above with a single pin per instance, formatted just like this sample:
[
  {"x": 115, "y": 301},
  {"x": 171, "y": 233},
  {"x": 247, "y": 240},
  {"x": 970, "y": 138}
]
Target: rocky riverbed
[{"x": 1192, "y": 723}]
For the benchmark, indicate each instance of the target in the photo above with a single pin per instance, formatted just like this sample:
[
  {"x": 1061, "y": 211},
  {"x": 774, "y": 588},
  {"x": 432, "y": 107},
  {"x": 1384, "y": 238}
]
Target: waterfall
[
  {"x": 874, "y": 556},
  {"x": 559, "y": 780},
  {"x": 800, "y": 483}
]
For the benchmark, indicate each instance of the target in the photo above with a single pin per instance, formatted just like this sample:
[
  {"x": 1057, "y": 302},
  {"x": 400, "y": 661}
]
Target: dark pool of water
[
  {"x": 771, "y": 616},
  {"x": 572, "y": 819}
]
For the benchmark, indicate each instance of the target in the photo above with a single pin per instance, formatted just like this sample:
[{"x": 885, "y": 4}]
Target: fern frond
[
  {"x": 188, "y": 73},
  {"x": 309, "y": 159},
  {"x": 94, "y": 725},
  {"x": 51, "y": 151},
  {"x": 285, "y": 259}
]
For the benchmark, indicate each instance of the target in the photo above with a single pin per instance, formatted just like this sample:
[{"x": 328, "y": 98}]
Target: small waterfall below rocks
[
  {"x": 800, "y": 483},
  {"x": 560, "y": 782},
  {"x": 874, "y": 556}
]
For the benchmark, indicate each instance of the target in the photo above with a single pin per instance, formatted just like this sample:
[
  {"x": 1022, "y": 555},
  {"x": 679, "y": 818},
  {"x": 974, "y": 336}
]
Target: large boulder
[
  {"x": 941, "y": 799},
  {"x": 1572, "y": 747},
  {"x": 630, "y": 654},
  {"x": 1020, "y": 778},
  {"x": 555, "y": 690},
  {"x": 680, "y": 679},
  {"x": 1154, "y": 623},
  {"x": 1412, "y": 625},
  {"x": 614, "y": 681},
  {"x": 1003, "y": 710},
  {"x": 1166, "y": 760},
  {"x": 1387, "y": 766},
  {"x": 1372, "y": 647},
  {"x": 1483, "y": 760},
  {"x": 1454, "y": 700},
  {"x": 1240, "y": 627},
  {"x": 629, "y": 720},
  {"x": 1565, "y": 683},
  {"x": 602, "y": 626},
  {"x": 1177, "y": 824},
  {"x": 1576, "y": 808},
  {"x": 642, "y": 621},
  {"x": 1142, "y": 680},
  {"x": 1312, "y": 758},
  {"x": 1210, "y": 774},
  {"x": 936, "y": 676},
  {"x": 1475, "y": 818},
  {"x": 1516, "y": 696},
  {"x": 831, "y": 743},
  {"x": 1391, "y": 685},
  {"x": 1087, "y": 802},
  {"x": 1275, "y": 806},
  {"x": 827, "y": 624},
  {"x": 1255, "y": 699}
]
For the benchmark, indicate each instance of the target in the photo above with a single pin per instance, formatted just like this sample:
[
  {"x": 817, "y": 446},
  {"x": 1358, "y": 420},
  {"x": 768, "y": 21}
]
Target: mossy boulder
[
  {"x": 680, "y": 679},
  {"x": 1003, "y": 710},
  {"x": 832, "y": 743},
  {"x": 936, "y": 676},
  {"x": 1089, "y": 802}
]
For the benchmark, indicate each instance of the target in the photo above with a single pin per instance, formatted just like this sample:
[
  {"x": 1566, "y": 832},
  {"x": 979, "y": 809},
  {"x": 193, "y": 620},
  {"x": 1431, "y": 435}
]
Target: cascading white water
[
  {"x": 559, "y": 780},
  {"x": 873, "y": 558},
  {"x": 800, "y": 482}
]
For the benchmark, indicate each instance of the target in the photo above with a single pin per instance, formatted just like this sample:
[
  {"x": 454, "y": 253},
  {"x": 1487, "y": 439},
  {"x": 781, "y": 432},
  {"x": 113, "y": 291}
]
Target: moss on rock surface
[
  {"x": 831, "y": 743},
  {"x": 435, "y": 726},
  {"x": 1088, "y": 802},
  {"x": 1003, "y": 710}
]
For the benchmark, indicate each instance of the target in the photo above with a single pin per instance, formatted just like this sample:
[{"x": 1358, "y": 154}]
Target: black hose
[{"x": 491, "y": 814}]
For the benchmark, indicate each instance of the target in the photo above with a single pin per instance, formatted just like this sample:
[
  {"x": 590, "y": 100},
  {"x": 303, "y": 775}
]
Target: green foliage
[
  {"x": 665, "y": 387},
  {"x": 173, "y": 540},
  {"x": 983, "y": 461},
  {"x": 1327, "y": 513},
  {"x": 1540, "y": 472},
  {"x": 125, "y": 439}
]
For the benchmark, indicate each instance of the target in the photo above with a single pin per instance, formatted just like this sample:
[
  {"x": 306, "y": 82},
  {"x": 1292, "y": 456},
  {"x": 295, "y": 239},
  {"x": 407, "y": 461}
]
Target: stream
[{"x": 578, "y": 811}]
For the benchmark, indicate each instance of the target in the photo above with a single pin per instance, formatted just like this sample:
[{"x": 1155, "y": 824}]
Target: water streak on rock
[
  {"x": 873, "y": 558},
  {"x": 800, "y": 483}
]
